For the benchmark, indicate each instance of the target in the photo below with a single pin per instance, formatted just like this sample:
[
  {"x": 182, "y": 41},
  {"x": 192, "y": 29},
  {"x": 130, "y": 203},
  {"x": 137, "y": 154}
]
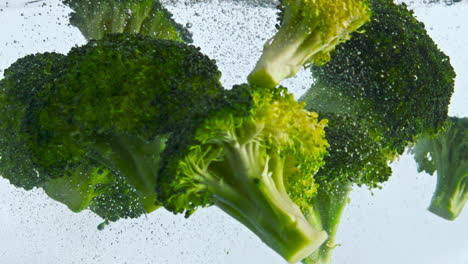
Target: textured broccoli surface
[
  {"x": 381, "y": 90},
  {"x": 89, "y": 127},
  {"x": 392, "y": 74}
]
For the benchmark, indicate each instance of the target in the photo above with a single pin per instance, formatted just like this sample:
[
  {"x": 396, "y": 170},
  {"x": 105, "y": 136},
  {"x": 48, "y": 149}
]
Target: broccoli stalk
[
  {"x": 326, "y": 209},
  {"x": 446, "y": 153},
  {"x": 95, "y": 18},
  {"x": 258, "y": 199},
  {"x": 242, "y": 157},
  {"x": 308, "y": 32}
]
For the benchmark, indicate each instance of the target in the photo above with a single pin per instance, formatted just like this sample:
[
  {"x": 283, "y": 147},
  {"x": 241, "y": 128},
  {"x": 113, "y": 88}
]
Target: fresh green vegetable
[
  {"x": 242, "y": 157},
  {"x": 446, "y": 153},
  {"x": 393, "y": 75},
  {"x": 308, "y": 32},
  {"x": 381, "y": 90},
  {"x": 95, "y": 18},
  {"x": 355, "y": 157},
  {"x": 89, "y": 127}
]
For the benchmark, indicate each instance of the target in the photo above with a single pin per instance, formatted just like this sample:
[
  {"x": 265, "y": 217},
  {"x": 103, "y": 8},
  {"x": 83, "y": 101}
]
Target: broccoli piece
[
  {"x": 21, "y": 82},
  {"x": 241, "y": 157},
  {"x": 308, "y": 32},
  {"x": 375, "y": 106},
  {"x": 89, "y": 127},
  {"x": 355, "y": 157},
  {"x": 446, "y": 153},
  {"x": 392, "y": 75},
  {"x": 95, "y": 18}
]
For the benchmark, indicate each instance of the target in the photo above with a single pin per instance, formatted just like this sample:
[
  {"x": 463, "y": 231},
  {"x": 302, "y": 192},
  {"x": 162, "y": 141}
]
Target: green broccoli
[
  {"x": 308, "y": 32},
  {"x": 393, "y": 75},
  {"x": 446, "y": 153},
  {"x": 355, "y": 157},
  {"x": 381, "y": 90},
  {"x": 95, "y": 18},
  {"x": 89, "y": 127},
  {"x": 242, "y": 157}
]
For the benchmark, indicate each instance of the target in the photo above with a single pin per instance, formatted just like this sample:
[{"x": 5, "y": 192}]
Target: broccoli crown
[
  {"x": 22, "y": 81},
  {"x": 308, "y": 32},
  {"x": 241, "y": 157},
  {"x": 446, "y": 153},
  {"x": 108, "y": 110},
  {"x": 393, "y": 74},
  {"x": 95, "y": 18}
]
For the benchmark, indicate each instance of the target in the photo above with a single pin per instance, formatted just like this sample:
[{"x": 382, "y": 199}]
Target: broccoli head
[
  {"x": 446, "y": 153},
  {"x": 95, "y": 18},
  {"x": 22, "y": 81},
  {"x": 308, "y": 32},
  {"x": 382, "y": 89},
  {"x": 392, "y": 74},
  {"x": 241, "y": 157},
  {"x": 95, "y": 121}
]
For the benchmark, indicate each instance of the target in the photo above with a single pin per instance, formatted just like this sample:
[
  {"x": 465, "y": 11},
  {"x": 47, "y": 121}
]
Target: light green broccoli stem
[
  {"x": 78, "y": 189},
  {"x": 252, "y": 191},
  {"x": 134, "y": 159},
  {"x": 325, "y": 212},
  {"x": 308, "y": 32},
  {"x": 284, "y": 55},
  {"x": 95, "y": 18},
  {"x": 451, "y": 191},
  {"x": 450, "y": 198}
]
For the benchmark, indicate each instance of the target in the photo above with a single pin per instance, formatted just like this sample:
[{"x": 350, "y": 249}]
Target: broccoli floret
[
  {"x": 21, "y": 82},
  {"x": 381, "y": 90},
  {"x": 355, "y": 157},
  {"x": 95, "y": 18},
  {"x": 241, "y": 157},
  {"x": 392, "y": 74},
  {"x": 446, "y": 153},
  {"x": 308, "y": 31},
  {"x": 92, "y": 135}
]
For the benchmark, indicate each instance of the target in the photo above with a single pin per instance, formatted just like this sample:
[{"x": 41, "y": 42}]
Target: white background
[{"x": 387, "y": 227}]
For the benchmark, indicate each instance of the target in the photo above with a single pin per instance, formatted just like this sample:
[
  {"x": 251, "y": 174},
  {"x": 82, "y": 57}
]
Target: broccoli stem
[
  {"x": 76, "y": 190},
  {"x": 254, "y": 194},
  {"x": 134, "y": 159},
  {"x": 284, "y": 55},
  {"x": 326, "y": 211},
  {"x": 451, "y": 193}
]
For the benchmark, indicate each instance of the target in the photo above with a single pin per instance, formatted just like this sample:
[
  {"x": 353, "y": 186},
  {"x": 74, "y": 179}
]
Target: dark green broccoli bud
[
  {"x": 392, "y": 74},
  {"x": 97, "y": 130},
  {"x": 241, "y": 157},
  {"x": 95, "y": 18},
  {"x": 308, "y": 32},
  {"x": 22, "y": 81},
  {"x": 446, "y": 153}
]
